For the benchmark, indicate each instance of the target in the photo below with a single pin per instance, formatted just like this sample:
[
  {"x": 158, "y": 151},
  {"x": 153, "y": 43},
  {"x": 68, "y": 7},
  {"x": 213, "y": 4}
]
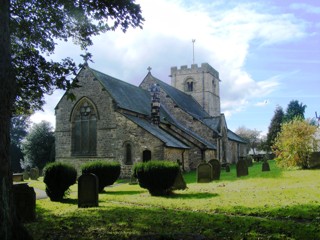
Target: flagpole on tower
[{"x": 193, "y": 40}]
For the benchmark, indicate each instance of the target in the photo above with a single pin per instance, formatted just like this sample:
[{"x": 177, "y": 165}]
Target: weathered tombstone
[
  {"x": 179, "y": 182},
  {"x": 25, "y": 202},
  {"x": 249, "y": 161},
  {"x": 314, "y": 160},
  {"x": 133, "y": 180},
  {"x": 17, "y": 177},
  {"x": 88, "y": 193},
  {"x": 204, "y": 173},
  {"x": 265, "y": 166},
  {"x": 34, "y": 173},
  {"x": 26, "y": 175},
  {"x": 242, "y": 168},
  {"x": 227, "y": 167},
  {"x": 216, "y": 169}
]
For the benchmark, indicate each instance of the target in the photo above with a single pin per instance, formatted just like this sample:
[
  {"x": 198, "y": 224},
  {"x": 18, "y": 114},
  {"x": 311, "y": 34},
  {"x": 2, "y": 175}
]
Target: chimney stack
[{"x": 155, "y": 104}]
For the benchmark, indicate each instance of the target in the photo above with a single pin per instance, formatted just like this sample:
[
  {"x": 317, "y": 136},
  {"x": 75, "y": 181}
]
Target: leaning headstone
[
  {"x": 204, "y": 173},
  {"x": 265, "y": 166},
  {"x": 88, "y": 193},
  {"x": 34, "y": 173},
  {"x": 242, "y": 168},
  {"x": 25, "y": 202},
  {"x": 216, "y": 169},
  {"x": 179, "y": 182}
]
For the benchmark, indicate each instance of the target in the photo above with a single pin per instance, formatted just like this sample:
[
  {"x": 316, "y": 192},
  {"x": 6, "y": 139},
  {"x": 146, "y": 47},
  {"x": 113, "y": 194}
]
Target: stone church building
[{"x": 114, "y": 120}]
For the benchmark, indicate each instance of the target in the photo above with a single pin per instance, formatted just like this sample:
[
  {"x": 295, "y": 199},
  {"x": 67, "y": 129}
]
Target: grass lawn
[{"x": 264, "y": 205}]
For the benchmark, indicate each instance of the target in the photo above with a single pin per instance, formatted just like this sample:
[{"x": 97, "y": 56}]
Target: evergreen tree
[
  {"x": 28, "y": 31},
  {"x": 275, "y": 126},
  {"x": 294, "y": 110}
]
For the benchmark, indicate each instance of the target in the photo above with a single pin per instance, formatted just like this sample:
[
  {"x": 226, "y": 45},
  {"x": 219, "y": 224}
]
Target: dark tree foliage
[
  {"x": 35, "y": 27},
  {"x": 275, "y": 126},
  {"x": 38, "y": 144},
  {"x": 294, "y": 110},
  {"x": 18, "y": 130},
  {"x": 28, "y": 32}
]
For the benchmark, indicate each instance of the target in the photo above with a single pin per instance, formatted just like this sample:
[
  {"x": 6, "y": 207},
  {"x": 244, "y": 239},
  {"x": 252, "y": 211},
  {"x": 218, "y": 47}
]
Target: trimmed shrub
[
  {"x": 156, "y": 176},
  {"x": 107, "y": 172},
  {"x": 58, "y": 177}
]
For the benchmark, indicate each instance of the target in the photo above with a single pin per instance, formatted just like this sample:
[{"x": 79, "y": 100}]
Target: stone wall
[
  {"x": 205, "y": 88},
  {"x": 114, "y": 130}
]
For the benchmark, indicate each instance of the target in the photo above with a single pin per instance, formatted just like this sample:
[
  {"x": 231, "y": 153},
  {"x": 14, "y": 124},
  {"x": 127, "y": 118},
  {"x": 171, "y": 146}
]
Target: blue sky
[{"x": 266, "y": 51}]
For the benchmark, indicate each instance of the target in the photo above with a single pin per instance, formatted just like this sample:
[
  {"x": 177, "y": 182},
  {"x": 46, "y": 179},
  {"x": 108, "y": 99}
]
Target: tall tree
[
  {"x": 25, "y": 75},
  {"x": 250, "y": 135},
  {"x": 294, "y": 110},
  {"x": 275, "y": 126},
  {"x": 37, "y": 146}
]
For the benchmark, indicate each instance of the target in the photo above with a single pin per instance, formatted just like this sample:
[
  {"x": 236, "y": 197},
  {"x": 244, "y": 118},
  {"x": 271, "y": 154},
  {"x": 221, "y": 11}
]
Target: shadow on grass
[
  {"x": 69, "y": 201},
  {"x": 193, "y": 195},
  {"x": 138, "y": 222},
  {"x": 122, "y": 192}
]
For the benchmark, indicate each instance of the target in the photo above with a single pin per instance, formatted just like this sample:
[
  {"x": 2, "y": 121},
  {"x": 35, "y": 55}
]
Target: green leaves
[
  {"x": 295, "y": 143},
  {"x": 35, "y": 27}
]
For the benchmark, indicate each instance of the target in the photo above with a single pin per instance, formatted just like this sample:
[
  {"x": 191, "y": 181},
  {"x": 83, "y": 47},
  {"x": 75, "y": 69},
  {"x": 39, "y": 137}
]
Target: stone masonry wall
[{"x": 113, "y": 128}]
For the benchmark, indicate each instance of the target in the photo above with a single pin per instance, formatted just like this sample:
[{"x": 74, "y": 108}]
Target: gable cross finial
[{"x": 149, "y": 69}]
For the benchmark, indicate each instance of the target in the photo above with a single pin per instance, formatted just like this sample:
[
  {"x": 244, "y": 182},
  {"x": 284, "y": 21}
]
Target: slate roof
[
  {"x": 166, "y": 138},
  {"x": 233, "y": 136},
  {"x": 136, "y": 99},
  {"x": 183, "y": 100},
  {"x": 165, "y": 116},
  {"x": 127, "y": 96}
]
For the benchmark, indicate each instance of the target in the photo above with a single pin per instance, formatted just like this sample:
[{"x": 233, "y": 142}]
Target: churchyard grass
[{"x": 278, "y": 204}]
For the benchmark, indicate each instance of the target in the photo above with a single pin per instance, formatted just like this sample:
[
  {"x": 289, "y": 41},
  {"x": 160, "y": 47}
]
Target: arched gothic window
[
  {"x": 189, "y": 85},
  {"x": 128, "y": 154},
  {"x": 146, "y": 156},
  {"x": 84, "y": 129}
]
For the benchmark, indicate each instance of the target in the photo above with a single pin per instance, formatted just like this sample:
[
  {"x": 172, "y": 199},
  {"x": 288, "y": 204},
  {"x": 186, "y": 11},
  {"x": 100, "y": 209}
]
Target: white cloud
[
  {"x": 306, "y": 7},
  {"x": 223, "y": 36}
]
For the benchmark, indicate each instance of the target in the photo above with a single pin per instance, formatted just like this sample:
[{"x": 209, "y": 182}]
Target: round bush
[
  {"x": 156, "y": 176},
  {"x": 58, "y": 177},
  {"x": 107, "y": 172}
]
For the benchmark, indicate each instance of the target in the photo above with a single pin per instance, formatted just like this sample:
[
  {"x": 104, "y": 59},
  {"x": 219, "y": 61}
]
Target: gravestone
[
  {"x": 133, "y": 180},
  {"x": 17, "y": 177},
  {"x": 227, "y": 167},
  {"x": 25, "y": 202},
  {"x": 265, "y": 166},
  {"x": 26, "y": 175},
  {"x": 88, "y": 193},
  {"x": 249, "y": 161},
  {"x": 242, "y": 168},
  {"x": 216, "y": 169},
  {"x": 179, "y": 182},
  {"x": 204, "y": 173},
  {"x": 314, "y": 160},
  {"x": 34, "y": 173}
]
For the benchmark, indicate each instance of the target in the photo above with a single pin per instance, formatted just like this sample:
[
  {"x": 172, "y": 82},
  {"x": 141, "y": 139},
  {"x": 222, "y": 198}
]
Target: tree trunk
[
  {"x": 6, "y": 93},
  {"x": 10, "y": 227}
]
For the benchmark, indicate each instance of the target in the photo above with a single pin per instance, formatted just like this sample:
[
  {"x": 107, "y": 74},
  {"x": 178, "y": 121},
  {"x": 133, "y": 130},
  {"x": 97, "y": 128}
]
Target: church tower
[{"x": 200, "y": 82}]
